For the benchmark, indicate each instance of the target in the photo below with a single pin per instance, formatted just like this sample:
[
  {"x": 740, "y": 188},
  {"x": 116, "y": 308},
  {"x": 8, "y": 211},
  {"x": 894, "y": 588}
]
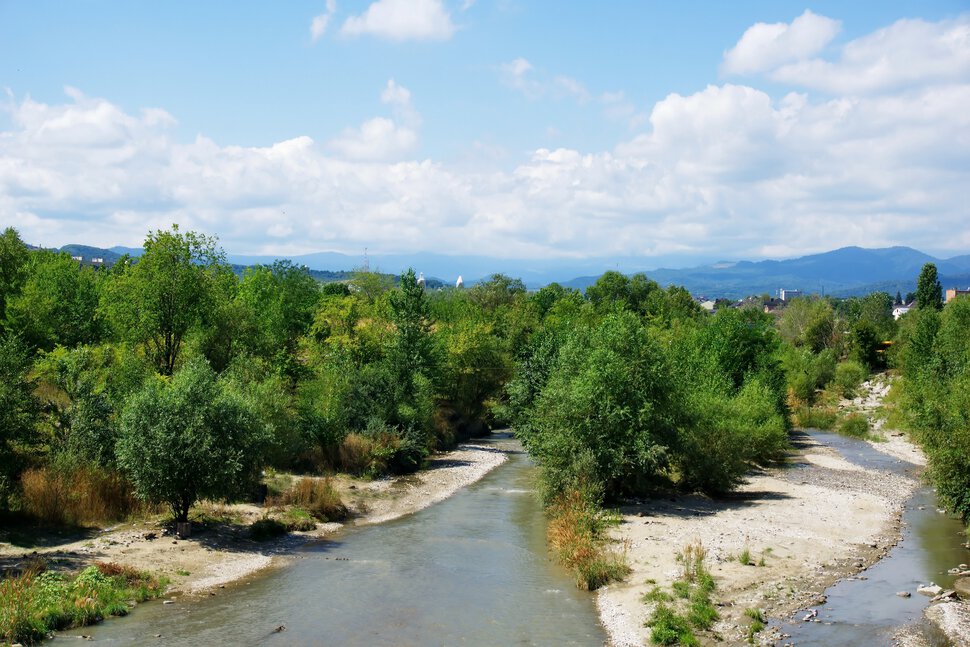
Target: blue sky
[{"x": 672, "y": 131}]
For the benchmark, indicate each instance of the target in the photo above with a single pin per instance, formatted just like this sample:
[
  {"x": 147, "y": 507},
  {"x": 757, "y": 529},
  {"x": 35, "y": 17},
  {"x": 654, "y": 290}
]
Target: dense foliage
[
  {"x": 934, "y": 359},
  {"x": 635, "y": 389}
]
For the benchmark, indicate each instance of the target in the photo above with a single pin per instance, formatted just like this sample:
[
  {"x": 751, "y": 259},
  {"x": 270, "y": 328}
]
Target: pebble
[
  {"x": 904, "y": 594},
  {"x": 168, "y": 602},
  {"x": 930, "y": 589}
]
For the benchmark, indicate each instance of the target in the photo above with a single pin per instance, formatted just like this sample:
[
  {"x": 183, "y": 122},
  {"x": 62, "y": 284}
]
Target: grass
[
  {"x": 77, "y": 495},
  {"x": 757, "y": 622},
  {"x": 576, "y": 532},
  {"x": 38, "y": 601},
  {"x": 317, "y": 497},
  {"x": 670, "y": 627},
  {"x": 745, "y": 556}
]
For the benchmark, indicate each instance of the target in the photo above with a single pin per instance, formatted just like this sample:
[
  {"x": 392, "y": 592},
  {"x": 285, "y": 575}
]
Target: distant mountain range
[{"x": 843, "y": 272}]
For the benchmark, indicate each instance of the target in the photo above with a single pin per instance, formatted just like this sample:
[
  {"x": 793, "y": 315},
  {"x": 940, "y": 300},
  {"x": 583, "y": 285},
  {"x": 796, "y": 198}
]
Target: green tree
[
  {"x": 281, "y": 300},
  {"x": 159, "y": 299},
  {"x": 189, "y": 438},
  {"x": 18, "y": 409},
  {"x": 58, "y": 303},
  {"x": 929, "y": 292},
  {"x": 13, "y": 266}
]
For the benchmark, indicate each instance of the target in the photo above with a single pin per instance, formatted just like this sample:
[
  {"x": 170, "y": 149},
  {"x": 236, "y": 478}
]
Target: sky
[{"x": 674, "y": 132}]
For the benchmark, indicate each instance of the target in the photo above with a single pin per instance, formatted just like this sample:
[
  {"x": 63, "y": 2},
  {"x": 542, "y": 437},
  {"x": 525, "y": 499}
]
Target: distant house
[
  {"x": 788, "y": 295},
  {"x": 421, "y": 281},
  {"x": 900, "y": 310},
  {"x": 79, "y": 259},
  {"x": 97, "y": 261},
  {"x": 708, "y": 305},
  {"x": 459, "y": 283},
  {"x": 953, "y": 293}
]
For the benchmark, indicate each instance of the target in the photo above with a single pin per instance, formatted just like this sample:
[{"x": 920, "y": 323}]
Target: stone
[
  {"x": 904, "y": 594},
  {"x": 931, "y": 590},
  {"x": 962, "y": 586}
]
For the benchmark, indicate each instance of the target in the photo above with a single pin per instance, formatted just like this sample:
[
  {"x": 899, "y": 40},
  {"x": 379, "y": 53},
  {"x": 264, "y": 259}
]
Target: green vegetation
[
  {"x": 757, "y": 622},
  {"x": 933, "y": 356},
  {"x": 576, "y": 532},
  {"x": 670, "y": 627},
  {"x": 40, "y": 601}
]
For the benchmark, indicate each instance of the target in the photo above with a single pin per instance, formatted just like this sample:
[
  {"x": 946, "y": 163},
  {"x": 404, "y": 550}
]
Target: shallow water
[
  {"x": 867, "y": 612},
  {"x": 472, "y": 570}
]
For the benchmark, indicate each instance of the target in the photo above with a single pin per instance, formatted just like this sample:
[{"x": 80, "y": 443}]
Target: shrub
[
  {"x": 816, "y": 418},
  {"x": 848, "y": 376},
  {"x": 356, "y": 454},
  {"x": 267, "y": 528},
  {"x": 854, "y": 424}
]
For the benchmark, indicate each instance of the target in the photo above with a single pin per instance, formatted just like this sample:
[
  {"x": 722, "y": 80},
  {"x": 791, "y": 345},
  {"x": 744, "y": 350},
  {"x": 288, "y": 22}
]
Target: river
[
  {"x": 472, "y": 570},
  {"x": 866, "y": 610}
]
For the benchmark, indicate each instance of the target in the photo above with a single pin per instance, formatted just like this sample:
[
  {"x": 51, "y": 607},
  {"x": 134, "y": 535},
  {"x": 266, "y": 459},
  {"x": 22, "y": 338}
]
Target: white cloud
[
  {"x": 401, "y": 20},
  {"x": 907, "y": 53},
  {"x": 319, "y": 24},
  {"x": 376, "y": 139},
  {"x": 765, "y": 46},
  {"x": 729, "y": 170},
  {"x": 519, "y": 74}
]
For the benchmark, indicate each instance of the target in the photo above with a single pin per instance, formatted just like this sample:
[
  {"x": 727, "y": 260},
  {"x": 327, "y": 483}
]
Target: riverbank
[
  {"x": 804, "y": 526},
  {"x": 220, "y": 551}
]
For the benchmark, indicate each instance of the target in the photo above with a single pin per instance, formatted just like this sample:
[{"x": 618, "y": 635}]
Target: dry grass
[
  {"x": 82, "y": 495},
  {"x": 575, "y": 532},
  {"x": 356, "y": 454},
  {"x": 316, "y": 496}
]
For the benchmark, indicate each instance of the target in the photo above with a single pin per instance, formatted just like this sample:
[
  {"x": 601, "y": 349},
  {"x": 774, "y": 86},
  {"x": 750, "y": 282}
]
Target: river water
[
  {"x": 868, "y": 611},
  {"x": 472, "y": 570}
]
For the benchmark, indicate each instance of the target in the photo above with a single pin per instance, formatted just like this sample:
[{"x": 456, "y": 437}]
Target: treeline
[
  {"x": 173, "y": 378},
  {"x": 933, "y": 356}
]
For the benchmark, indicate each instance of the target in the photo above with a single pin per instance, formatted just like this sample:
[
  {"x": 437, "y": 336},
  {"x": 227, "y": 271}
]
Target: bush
[
  {"x": 267, "y": 528},
  {"x": 854, "y": 424},
  {"x": 356, "y": 454},
  {"x": 816, "y": 418},
  {"x": 848, "y": 376}
]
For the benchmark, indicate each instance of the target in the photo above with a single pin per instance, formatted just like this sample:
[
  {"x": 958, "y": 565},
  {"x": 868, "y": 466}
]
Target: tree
[
  {"x": 18, "y": 408},
  {"x": 158, "y": 300},
  {"x": 929, "y": 292},
  {"x": 58, "y": 303},
  {"x": 13, "y": 263},
  {"x": 189, "y": 438}
]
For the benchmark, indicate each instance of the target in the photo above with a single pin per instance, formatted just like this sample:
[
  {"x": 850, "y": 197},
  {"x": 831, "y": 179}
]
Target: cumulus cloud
[
  {"x": 382, "y": 138},
  {"x": 401, "y": 20},
  {"x": 765, "y": 46},
  {"x": 728, "y": 170},
  {"x": 908, "y": 52},
  {"x": 319, "y": 24}
]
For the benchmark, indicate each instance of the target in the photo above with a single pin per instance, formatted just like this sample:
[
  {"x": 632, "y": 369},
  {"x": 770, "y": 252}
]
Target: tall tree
[
  {"x": 929, "y": 292},
  {"x": 13, "y": 265},
  {"x": 157, "y": 301}
]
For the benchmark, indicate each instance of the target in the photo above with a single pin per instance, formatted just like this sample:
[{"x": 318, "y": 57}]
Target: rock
[
  {"x": 962, "y": 586},
  {"x": 168, "y": 602},
  {"x": 946, "y": 596},
  {"x": 931, "y": 590},
  {"x": 279, "y": 629},
  {"x": 810, "y": 615},
  {"x": 964, "y": 567},
  {"x": 904, "y": 594}
]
